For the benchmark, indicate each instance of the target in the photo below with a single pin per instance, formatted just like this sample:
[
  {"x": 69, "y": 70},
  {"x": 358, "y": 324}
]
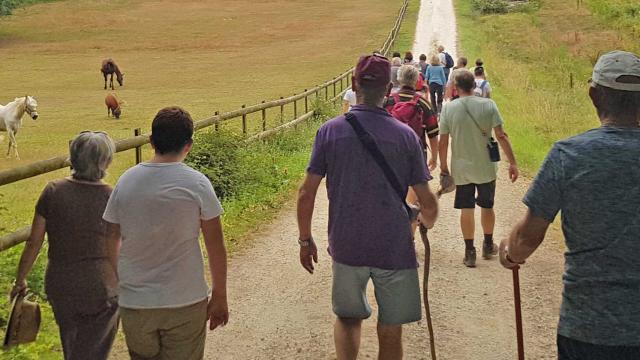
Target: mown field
[
  {"x": 531, "y": 56},
  {"x": 204, "y": 55}
]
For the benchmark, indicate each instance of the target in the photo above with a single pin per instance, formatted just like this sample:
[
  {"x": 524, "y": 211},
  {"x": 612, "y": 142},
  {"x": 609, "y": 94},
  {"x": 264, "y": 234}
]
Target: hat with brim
[
  {"x": 619, "y": 70},
  {"x": 24, "y": 322}
]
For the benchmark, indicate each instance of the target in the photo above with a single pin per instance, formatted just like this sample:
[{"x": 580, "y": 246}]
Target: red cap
[{"x": 374, "y": 70}]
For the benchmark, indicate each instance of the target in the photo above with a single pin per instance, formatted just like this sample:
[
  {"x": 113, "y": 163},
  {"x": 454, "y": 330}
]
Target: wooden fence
[{"x": 331, "y": 90}]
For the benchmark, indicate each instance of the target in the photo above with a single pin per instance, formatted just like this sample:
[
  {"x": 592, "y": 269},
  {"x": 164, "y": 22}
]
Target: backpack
[
  {"x": 448, "y": 61},
  {"x": 408, "y": 112},
  {"x": 479, "y": 90}
]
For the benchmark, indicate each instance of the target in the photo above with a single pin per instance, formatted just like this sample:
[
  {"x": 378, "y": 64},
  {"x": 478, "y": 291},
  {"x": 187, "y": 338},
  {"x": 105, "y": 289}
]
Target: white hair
[
  {"x": 91, "y": 154},
  {"x": 408, "y": 75}
]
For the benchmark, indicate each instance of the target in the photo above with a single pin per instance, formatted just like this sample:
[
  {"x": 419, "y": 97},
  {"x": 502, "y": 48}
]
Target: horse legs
[
  {"x": 105, "y": 80},
  {"x": 12, "y": 143},
  {"x": 112, "y": 82}
]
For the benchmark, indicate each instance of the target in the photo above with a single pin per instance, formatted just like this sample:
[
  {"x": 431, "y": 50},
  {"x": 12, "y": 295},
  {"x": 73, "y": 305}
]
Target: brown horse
[
  {"x": 113, "y": 105},
  {"x": 109, "y": 67}
]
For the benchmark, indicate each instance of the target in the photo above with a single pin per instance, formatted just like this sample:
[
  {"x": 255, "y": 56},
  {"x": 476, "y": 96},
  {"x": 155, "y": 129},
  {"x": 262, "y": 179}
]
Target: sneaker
[
  {"x": 489, "y": 250},
  {"x": 470, "y": 257}
]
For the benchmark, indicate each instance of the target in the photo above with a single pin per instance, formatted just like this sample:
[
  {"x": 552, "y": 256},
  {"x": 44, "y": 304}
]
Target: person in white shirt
[
  {"x": 159, "y": 208},
  {"x": 348, "y": 100},
  {"x": 483, "y": 88}
]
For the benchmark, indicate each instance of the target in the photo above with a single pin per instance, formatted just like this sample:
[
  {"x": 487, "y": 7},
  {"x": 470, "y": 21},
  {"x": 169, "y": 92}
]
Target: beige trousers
[{"x": 163, "y": 334}]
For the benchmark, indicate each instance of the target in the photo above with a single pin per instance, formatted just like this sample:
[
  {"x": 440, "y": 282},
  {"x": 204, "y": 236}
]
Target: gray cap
[{"x": 611, "y": 66}]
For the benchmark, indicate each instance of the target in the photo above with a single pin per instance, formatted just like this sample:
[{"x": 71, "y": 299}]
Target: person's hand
[
  {"x": 433, "y": 164},
  {"x": 444, "y": 169},
  {"x": 308, "y": 256},
  {"x": 19, "y": 288},
  {"x": 504, "y": 260},
  {"x": 513, "y": 172},
  {"x": 217, "y": 311}
]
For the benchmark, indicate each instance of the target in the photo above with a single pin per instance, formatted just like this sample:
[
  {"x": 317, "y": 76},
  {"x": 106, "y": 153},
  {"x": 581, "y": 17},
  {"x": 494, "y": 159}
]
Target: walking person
[
  {"x": 408, "y": 59},
  {"x": 450, "y": 92},
  {"x": 160, "y": 207},
  {"x": 483, "y": 88},
  {"x": 594, "y": 179},
  {"x": 446, "y": 60},
  {"x": 423, "y": 64},
  {"x": 396, "y": 63},
  {"x": 369, "y": 226},
  {"x": 436, "y": 80},
  {"x": 469, "y": 122},
  {"x": 80, "y": 282},
  {"x": 348, "y": 100}
]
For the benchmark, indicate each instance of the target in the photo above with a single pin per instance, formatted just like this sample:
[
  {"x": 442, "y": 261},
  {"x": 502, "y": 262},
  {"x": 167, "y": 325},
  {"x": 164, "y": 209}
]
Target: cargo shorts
[{"x": 397, "y": 293}]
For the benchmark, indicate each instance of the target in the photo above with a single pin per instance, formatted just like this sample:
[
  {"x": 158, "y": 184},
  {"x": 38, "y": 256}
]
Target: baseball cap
[
  {"x": 613, "y": 70},
  {"x": 373, "y": 70}
]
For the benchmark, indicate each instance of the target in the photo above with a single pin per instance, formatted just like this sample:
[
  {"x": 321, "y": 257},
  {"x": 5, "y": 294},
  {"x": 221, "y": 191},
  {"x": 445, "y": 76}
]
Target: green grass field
[
  {"x": 216, "y": 56},
  {"x": 531, "y": 56}
]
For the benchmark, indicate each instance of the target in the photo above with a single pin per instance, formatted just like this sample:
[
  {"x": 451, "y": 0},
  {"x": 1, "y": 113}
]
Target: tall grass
[{"x": 7, "y": 6}]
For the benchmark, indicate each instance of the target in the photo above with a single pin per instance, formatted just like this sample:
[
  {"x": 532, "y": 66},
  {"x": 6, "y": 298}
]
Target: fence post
[
  {"x": 306, "y": 101},
  {"x": 571, "y": 80},
  {"x": 244, "y": 121},
  {"x": 216, "y": 126},
  {"x": 137, "y": 132},
  {"x": 295, "y": 108},
  {"x": 326, "y": 93},
  {"x": 334, "y": 87},
  {"x": 281, "y": 111},
  {"x": 264, "y": 118},
  {"x": 341, "y": 84}
]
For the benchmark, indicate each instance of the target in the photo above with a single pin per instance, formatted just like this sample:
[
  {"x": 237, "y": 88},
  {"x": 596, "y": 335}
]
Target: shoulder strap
[
  {"x": 483, "y": 84},
  {"x": 370, "y": 145},
  {"x": 484, "y": 133}
]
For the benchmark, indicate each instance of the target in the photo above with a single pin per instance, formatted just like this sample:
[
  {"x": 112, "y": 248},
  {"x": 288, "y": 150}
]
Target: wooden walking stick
[
  {"x": 427, "y": 263},
  {"x": 518, "y": 306}
]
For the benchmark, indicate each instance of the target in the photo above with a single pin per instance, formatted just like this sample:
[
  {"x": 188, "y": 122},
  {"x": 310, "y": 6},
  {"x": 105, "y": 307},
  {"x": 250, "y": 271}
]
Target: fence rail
[{"x": 136, "y": 142}]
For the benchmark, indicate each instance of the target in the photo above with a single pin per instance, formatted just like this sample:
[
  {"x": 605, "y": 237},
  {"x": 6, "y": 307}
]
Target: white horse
[{"x": 11, "y": 118}]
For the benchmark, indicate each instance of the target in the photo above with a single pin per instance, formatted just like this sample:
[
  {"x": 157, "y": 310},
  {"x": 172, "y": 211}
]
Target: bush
[{"x": 491, "y": 6}]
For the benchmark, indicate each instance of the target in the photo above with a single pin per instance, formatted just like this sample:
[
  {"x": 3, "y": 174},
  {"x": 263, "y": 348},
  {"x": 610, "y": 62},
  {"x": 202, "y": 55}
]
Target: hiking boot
[
  {"x": 489, "y": 250},
  {"x": 470, "y": 257}
]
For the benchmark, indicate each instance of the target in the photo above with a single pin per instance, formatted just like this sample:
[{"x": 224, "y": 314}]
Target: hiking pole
[
  {"x": 427, "y": 263},
  {"x": 518, "y": 306}
]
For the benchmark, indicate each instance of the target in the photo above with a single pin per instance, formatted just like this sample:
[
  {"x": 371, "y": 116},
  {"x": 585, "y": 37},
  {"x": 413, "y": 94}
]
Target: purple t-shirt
[{"x": 368, "y": 224}]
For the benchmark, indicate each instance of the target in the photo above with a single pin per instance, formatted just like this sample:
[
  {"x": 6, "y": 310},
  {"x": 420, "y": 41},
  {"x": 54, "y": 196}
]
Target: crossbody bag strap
[
  {"x": 372, "y": 148},
  {"x": 484, "y": 133}
]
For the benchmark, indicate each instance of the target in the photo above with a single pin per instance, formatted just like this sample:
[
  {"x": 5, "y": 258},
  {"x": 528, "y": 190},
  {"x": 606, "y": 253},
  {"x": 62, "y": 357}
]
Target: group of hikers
[{"x": 132, "y": 254}]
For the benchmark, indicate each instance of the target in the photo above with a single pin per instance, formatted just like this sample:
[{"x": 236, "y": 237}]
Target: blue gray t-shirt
[
  {"x": 368, "y": 224},
  {"x": 594, "y": 179}
]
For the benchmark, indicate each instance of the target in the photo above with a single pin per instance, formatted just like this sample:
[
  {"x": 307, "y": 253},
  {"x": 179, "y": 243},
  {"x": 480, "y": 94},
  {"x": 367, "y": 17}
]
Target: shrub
[{"x": 491, "y": 6}]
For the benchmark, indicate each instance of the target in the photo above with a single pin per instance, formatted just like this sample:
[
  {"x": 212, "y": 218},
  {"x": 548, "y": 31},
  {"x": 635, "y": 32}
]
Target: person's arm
[
  {"x": 525, "y": 238},
  {"x": 504, "y": 142},
  {"x": 114, "y": 240},
  {"x": 217, "y": 309},
  {"x": 433, "y": 145},
  {"x": 29, "y": 255},
  {"x": 306, "y": 202},
  {"x": 443, "y": 147},
  {"x": 428, "y": 204}
]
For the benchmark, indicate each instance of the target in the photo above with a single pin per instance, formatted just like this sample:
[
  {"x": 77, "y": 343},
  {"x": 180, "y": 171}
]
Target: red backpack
[{"x": 408, "y": 112}]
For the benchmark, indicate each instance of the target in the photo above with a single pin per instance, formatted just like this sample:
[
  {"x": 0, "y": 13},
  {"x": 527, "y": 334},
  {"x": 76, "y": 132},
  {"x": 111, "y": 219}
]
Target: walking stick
[
  {"x": 427, "y": 263},
  {"x": 518, "y": 306}
]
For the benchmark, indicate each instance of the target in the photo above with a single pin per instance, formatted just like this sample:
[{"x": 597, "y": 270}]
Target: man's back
[
  {"x": 159, "y": 207},
  {"x": 594, "y": 180},
  {"x": 368, "y": 223},
  {"x": 470, "y": 162}
]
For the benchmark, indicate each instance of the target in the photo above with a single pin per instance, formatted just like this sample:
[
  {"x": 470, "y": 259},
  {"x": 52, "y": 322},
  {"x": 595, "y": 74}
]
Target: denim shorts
[{"x": 397, "y": 293}]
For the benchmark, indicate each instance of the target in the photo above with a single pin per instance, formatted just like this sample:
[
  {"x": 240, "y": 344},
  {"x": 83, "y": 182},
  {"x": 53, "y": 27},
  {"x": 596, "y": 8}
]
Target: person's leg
[
  {"x": 346, "y": 334},
  {"x": 486, "y": 195},
  {"x": 465, "y": 201},
  {"x": 432, "y": 96},
  {"x": 67, "y": 325},
  {"x": 183, "y": 332},
  {"x": 390, "y": 340},
  {"x": 399, "y": 302},
  {"x": 96, "y": 331},
  {"x": 349, "y": 302},
  {"x": 439, "y": 92},
  {"x": 141, "y": 333}
]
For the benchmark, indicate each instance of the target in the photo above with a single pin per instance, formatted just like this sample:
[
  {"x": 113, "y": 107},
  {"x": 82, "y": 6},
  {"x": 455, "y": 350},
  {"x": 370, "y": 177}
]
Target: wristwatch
[{"x": 306, "y": 242}]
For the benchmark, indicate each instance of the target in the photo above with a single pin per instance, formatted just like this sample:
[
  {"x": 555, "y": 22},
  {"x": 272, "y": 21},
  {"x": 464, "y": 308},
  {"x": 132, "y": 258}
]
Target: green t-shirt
[{"x": 470, "y": 163}]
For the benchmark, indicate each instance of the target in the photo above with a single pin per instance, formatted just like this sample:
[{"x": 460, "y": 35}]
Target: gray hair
[
  {"x": 91, "y": 154},
  {"x": 408, "y": 75},
  {"x": 396, "y": 61}
]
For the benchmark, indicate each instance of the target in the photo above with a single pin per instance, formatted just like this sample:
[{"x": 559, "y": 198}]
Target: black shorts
[
  {"x": 569, "y": 349},
  {"x": 466, "y": 196}
]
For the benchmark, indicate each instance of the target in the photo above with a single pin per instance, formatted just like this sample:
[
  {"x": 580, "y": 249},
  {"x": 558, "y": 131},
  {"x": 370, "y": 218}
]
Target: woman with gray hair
[{"x": 81, "y": 279}]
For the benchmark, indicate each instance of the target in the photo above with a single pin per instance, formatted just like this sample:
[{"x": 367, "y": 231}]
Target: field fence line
[{"x": 328, "y": 89}]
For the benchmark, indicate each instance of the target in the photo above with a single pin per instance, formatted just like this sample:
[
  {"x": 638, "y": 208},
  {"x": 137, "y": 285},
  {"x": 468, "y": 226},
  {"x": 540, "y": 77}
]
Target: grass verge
[{"x": 539, "y": 60}]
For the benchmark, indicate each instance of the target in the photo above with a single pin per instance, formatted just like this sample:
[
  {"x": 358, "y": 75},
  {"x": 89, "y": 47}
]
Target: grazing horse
[
  {"x": 11, "y": 118},
  {"x": 109, "y": 67},
  {"x": 113, "y": 105}
]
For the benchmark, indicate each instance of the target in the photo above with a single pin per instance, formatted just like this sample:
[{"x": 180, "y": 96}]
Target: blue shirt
[
  {"x": 435, "y": 74},
  {"x": 368, "y": 224},
  {"x": 594, "y": 179}
]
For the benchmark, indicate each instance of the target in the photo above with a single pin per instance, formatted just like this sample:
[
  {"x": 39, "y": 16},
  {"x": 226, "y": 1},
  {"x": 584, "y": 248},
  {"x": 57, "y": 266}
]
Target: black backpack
[{"x": 448, "y": 61}]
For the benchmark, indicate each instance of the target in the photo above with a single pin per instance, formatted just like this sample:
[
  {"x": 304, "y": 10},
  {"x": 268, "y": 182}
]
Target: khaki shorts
[
  {"x": 397, "y": 294},
  {"x": 163, "y": 334}
]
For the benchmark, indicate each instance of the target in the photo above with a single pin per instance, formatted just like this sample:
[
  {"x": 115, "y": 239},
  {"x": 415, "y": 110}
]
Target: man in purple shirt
[{"x": 369, "y": 227}]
